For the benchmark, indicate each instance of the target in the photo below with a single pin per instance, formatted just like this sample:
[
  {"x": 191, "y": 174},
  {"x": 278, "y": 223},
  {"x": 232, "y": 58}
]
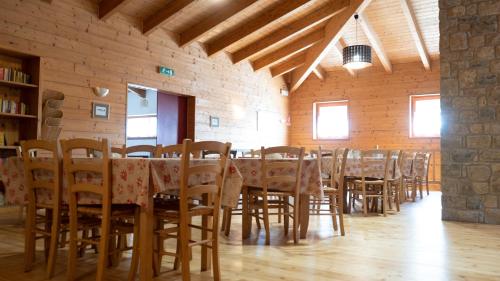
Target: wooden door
[{"x": 174, "y": 118}]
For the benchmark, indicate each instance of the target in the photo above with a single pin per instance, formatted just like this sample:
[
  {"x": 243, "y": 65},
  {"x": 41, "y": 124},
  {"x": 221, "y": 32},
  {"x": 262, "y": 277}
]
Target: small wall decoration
[
  {"x": 214, "y": 122},
  {"x": 100, "y": 110}
]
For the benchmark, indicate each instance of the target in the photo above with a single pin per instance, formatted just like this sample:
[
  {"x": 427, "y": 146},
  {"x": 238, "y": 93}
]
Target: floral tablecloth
[
  {"x": 130, "y": 181},
  {"x": 250, "y": 169},
  {"x": 375, "y": 166}
]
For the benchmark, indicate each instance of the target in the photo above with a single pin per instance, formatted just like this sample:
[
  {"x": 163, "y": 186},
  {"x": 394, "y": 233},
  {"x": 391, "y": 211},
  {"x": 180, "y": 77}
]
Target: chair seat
[
  {"x": 330, "y": 190},
  {"x": 370, "y": 181},
  {"x": 118, "y": 210},
  {"x": 270, "y": 192},
  {"x": 170, "y": 208}
]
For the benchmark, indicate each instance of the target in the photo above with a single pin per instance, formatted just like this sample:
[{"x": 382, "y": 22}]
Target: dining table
[{"x": 134, "y": 181}]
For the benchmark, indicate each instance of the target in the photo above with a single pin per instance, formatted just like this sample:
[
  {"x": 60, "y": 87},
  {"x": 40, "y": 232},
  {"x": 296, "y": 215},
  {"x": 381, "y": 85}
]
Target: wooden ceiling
[{"x": 296, "y": 38}]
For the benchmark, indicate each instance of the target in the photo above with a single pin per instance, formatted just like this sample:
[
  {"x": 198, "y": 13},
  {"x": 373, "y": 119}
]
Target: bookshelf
[{"x": 15, "y": 125}]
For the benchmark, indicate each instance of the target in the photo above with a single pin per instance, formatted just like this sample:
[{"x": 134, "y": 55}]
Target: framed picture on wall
[
  {"x": 100, "y": 110},
  {"x": 214, "y": 122}
]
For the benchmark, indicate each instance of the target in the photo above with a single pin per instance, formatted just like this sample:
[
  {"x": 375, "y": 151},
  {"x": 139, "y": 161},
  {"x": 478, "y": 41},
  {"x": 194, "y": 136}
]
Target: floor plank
[{"x": 412, "y": 245}]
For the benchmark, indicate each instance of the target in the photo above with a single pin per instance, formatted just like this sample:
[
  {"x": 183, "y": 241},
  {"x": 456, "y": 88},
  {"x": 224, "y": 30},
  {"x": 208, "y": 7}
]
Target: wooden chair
[
  {"x": 109, "y": 217},
  {"x": 272, "y": 176},
  {"x": 316, "y": 202},
  {"x": 51, "y": 219},
  {"x": 208, "y": 197},
  {"x": 149, "y": 150},
  {"x": 372, "y": 188},
  {"x": 394, "y": 181},
  {"x": 408, "y": 187},
  {"x": 419, "y": 172},
  {"x": 333, "y": 187},
  {"x": 170, "y": 151},
  {"x": 119, "y": 151}
]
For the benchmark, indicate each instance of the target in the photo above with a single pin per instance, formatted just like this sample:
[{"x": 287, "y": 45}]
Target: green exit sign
[{"x": 166, "y": 71}]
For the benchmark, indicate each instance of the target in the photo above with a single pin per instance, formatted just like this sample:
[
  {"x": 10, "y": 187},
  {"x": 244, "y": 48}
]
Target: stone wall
[{"x": 470, "y": 104}]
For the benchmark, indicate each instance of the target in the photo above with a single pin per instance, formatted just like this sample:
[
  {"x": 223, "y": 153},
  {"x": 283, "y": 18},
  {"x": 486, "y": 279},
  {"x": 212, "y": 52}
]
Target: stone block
[
  {"x": 467, "y": 78},
  {"x": 492, "y": 215},
  {"x": 454, "y": 202},
  {"x": 490, "y": 155},
  {"x": 463, "y": 156},
  {"x": 481, "y": 141},
  {"x": 480, "y": 188},
  {"x": 486, "y": 53},
  {"x": 474, "y": 203},
  {"x": 474, "y": 216},
  {"x": 490, "y": 201},
  {"x": 458, "y": 41},
  {"x": 479, "y": 173}
]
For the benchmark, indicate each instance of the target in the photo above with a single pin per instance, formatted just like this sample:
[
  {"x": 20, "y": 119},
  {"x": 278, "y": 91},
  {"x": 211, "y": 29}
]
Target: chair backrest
[
  {"x": 375, "y": 163},
  {"x": 406, "y": 166},
  {"x": 338, "y": 167},
  {"x": 214, "y": 168},
  {"x": 96, "y": 166},
  {"x": 276, "y": 172},
  {"x": 255, "y": 153},
  {"x": 169, "y": 151},
  {"x": 396, "y": 169},
  {"x": 119, "y": 151},
  {"x": 427, "y": 164},
  {"x": 419, "y": 164},
  {"x": 34, "y": 167},
  {"x": 148, "y": 150}
]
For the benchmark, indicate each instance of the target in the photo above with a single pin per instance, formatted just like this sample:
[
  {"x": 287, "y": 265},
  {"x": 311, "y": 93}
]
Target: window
[
  {"x": 425, "y": 116},
  {"x": 141, "y": 126},
  {"x": 331, "y": 120}
]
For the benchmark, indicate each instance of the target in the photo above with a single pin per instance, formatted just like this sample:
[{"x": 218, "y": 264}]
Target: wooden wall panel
[
  {"x": 80, "y": 51},
  {"x": 378, "y": 107}
]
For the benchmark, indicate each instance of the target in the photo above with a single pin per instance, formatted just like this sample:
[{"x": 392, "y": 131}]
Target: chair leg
[
  {"x": 365, "y": 206},
  {"x": 384, "y": 198},
  {"x": 333, "y": 212},
  {"x": 228, "y": 222},
  {"x": 280, "y": 209},
  {"x": 286, "y": 214},
  {"x": 427, "y": 185},
  {"x": 265, "y": 212},
  {"x": 29, "y": 244},
  {"x": 134, "y": 263},
  {"x": 103, "y": 245},
  {"x": 420, "y": 187},
  {"x": 340, "y": 206},
  {"x": 46, "y": 239},
  {"x": 54, "y": 238},
  {"x": 184, "y": 249},
  {"x": 257, "y": 218},
  {"x": 296, "y": 216},
  {"x": 73, "y": 244},
  {"x": 215, "y": 258},
  {"x": 224, "y": 218},
  {"x": 204, "y": 248},
  {"x": 396, "y": 198}
]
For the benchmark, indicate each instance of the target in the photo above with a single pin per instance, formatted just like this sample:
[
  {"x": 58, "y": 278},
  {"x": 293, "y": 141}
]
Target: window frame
[
  {"x": 412, "y": 105},
  {"x": 316, "y": 108},
  {"x": 140, "y": 117}
]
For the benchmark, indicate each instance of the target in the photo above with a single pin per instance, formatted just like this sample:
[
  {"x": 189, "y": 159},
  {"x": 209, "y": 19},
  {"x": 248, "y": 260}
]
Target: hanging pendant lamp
[{"x": 357, "y": 56}]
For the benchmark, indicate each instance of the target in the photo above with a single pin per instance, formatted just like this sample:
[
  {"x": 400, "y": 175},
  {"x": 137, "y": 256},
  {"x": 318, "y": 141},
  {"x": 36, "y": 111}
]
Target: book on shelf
[
  {"x": 14, "y": 75},
  {"x": 12, "y": 107}
]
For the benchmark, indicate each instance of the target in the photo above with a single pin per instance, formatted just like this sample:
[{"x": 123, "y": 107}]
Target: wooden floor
[{"x": 412, "y": 245}]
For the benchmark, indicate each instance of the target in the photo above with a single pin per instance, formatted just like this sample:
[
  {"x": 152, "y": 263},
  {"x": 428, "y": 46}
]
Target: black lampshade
[{"x": 357, "y": 56}]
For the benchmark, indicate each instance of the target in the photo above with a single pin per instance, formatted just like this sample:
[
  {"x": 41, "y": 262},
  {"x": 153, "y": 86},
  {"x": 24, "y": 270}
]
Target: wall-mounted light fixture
[{"x": 100, "y": 92}]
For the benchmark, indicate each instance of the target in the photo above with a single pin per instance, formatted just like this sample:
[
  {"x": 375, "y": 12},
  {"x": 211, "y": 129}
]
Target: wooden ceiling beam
[
  {"x": 288, "y": 65},
  {"x": 333, "y": 31},
  {"x": 302, "y": 24},
  {"x": 289, "y": 50},
  {"x": 219, "y": 15},
  {"x": 151, "y": 23},
  {"x": 273, "y": 13},
  {"x": 108, "y": 7},
  {"x": 339, "y": 48},
  {"x": 416, "y": 34},
  {"x": 375, "y": 42},
  {"x": 320, "y": 72}
]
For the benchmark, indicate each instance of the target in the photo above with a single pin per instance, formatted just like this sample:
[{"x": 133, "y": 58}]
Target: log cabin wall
[
  {"x": 79, "y": 51},
  {"x": 378, "y": 108}
]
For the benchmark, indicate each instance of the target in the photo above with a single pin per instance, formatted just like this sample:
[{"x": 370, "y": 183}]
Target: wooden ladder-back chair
[
  {"x": 407, "y": 181},
  {"x": 272, "y": 176},
  {"x": 119, "y": 151},
  {"x": 208, "y": 197},
  {"x": 419, "y": 172},
  {"x": 106, "y": 215},
  {"x": 333, "y": 186},
  {"x": 325, "y": 173},
  {"x": 394, "y": 181},
  {"x": 33, "y": 166},
  {"x": 369, "y": 187},
  {"x": 162, "y": 234}
]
